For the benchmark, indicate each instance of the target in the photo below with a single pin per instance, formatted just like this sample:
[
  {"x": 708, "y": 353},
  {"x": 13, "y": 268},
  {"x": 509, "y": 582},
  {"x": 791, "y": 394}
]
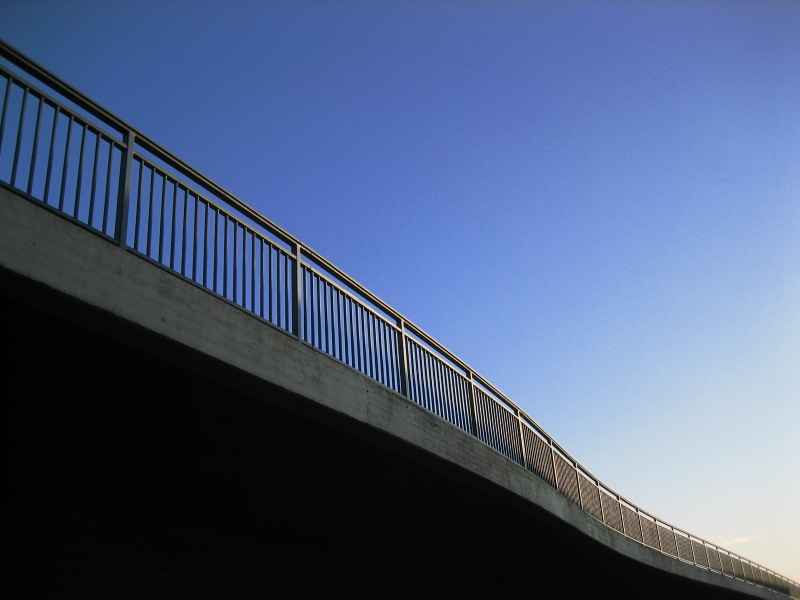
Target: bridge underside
[{"x": 137, "y": 468}]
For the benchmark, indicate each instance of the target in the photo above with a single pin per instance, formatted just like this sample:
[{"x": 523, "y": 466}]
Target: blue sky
[{"x": 594, "y": 204}]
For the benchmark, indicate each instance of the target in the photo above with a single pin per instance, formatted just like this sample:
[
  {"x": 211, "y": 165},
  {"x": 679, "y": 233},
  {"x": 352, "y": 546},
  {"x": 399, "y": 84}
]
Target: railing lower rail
[{"x": 63, "y": 151}]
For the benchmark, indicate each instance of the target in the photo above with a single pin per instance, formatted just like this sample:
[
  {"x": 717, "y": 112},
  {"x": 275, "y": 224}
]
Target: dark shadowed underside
[{"x": 136, "y": 468}]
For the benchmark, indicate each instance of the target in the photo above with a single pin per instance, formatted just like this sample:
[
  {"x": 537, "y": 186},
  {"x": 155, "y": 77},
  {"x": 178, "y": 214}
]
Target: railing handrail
[
  {"x": 402, "y": 325},
  {"x": 100, "y": 112}
]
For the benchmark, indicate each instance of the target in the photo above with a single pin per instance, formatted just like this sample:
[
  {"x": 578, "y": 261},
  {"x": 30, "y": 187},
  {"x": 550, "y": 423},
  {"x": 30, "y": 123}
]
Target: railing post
[
  {"x": 521, "y": 439},
  {"x": 124, "y": 195},
  {"x": 474, "y": 403},
  {"x": 402, "y": 357},
  {"x": 297, "y": 297},
  {"x": 621, "y": 514},
  {"x": 675, "y": 536},
  {"x": 639, "y": 518},
  {"x": 658, "y": 536},
  {"x": 600, "y": 500},
  {"x": 578, "y": 483},
  {"x": 553, "y": 461}
]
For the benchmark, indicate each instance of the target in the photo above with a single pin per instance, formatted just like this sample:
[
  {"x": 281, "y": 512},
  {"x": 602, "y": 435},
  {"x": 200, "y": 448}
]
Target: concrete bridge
[{"x": 204, "y": 407}]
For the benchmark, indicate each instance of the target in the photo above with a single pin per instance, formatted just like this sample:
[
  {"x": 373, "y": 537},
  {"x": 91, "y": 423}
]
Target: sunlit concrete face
[{"x": 165, "y": 410}]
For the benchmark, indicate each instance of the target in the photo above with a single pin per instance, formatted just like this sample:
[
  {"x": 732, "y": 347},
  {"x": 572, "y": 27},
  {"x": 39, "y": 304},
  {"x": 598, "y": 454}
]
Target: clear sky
[{"x": 594, "y": 204}]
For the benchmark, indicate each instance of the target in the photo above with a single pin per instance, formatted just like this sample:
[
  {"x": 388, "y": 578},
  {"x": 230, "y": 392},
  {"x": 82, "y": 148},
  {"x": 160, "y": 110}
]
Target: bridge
[{"x": 204, "y": 406}]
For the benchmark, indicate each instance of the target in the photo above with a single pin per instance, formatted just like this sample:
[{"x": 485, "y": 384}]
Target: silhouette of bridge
[{"x": 206, "y": 406}]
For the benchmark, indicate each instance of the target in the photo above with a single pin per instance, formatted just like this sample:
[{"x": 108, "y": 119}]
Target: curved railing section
[{"x": 63, "y": 151}]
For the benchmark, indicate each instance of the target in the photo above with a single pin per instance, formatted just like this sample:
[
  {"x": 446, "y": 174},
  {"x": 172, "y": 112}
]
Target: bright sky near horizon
[{"x": 594, "y": 204}]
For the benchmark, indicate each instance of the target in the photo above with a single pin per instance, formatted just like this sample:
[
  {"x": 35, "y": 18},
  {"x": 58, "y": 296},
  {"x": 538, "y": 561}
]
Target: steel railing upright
[{"x": 68, "y": 154}]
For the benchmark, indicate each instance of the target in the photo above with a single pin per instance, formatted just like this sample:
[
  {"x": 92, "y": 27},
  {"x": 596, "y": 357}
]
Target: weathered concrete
[{"x": 44, "y": 248}]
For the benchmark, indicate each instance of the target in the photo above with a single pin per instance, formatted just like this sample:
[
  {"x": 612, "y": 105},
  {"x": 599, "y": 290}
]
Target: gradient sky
[{"x": 594, "y": 204}]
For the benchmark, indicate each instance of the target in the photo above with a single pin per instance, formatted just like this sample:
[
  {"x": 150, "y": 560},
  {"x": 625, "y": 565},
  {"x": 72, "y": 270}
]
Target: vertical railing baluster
[
  {"x": 172, "y": 225},
  {"x": 325, "y": 305},
  {"x": 340, "y": 335},
  {"x": 93, "y": 188},
  {"x": 66, "y": 166},
  {"x": 372, "y": 324},
  {"x": 316, "y": 311},
  {"x": 185, "y": 227},
  {"x": 280, "y": 288},
  {"x": 5, "y": 110},
  {"x": 244, "y": 266},
  {"x": 413, "y": 377},
  {"x": 422, "y": 378},
  {"x": 313, "y": 309},
  {"x": 427, "y": 379},
  {"x": 435, "y": 394},
  {"x": 288, "y": 297},
  {"x": 79, "y": 182},
  {"x": 355, "y": 319},
  {"x": 35, "y": 149},
  {"x": 361, "y": 337},
  {"x": 107, "y": 195},
  {"x": 297, "y": 297},
  {"x": 319, "y": 291},
  {"x": 447, "y": 383},
  {"x": 402, "y": 356},
  {"x": 436, "y": 388},
  {"x": 452, "y": 395},
  {"x": 394, "y": 359},
  {"x": 261, "y": 286},
  {"x": 373, "y": 329},
  {"x": 466, "y": 404},
  {"x": 253, "y": 272},
  {"x": 235, "y": 261},
  {"x": 161, "y": 217},
  {"x": 381, "y": 340},
  {"x": 151, "y": 200},
  {"x": 48, "y": 174},
  {"x": 330, "y": 324},
  {"x": 215, "y": 270},
  {"x": 344, "y": 330},
  {"x": 137, "y": 225},
  {"x": 269, "y": 278},
  {"x": 18, "y": 146},
  {"x": 422, "y": 375},
  {"x": 224, "y": 255},
  {"x": 195, "y": 242},
  {"x": 352, "y": 352}
]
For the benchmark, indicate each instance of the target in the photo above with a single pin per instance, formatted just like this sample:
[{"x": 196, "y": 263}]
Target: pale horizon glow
[{"x": 594, "y": 204}]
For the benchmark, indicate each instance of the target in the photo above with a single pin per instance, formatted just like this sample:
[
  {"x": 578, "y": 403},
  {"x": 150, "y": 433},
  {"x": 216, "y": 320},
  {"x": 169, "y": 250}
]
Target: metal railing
[{"x": 63, "y": 151}]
